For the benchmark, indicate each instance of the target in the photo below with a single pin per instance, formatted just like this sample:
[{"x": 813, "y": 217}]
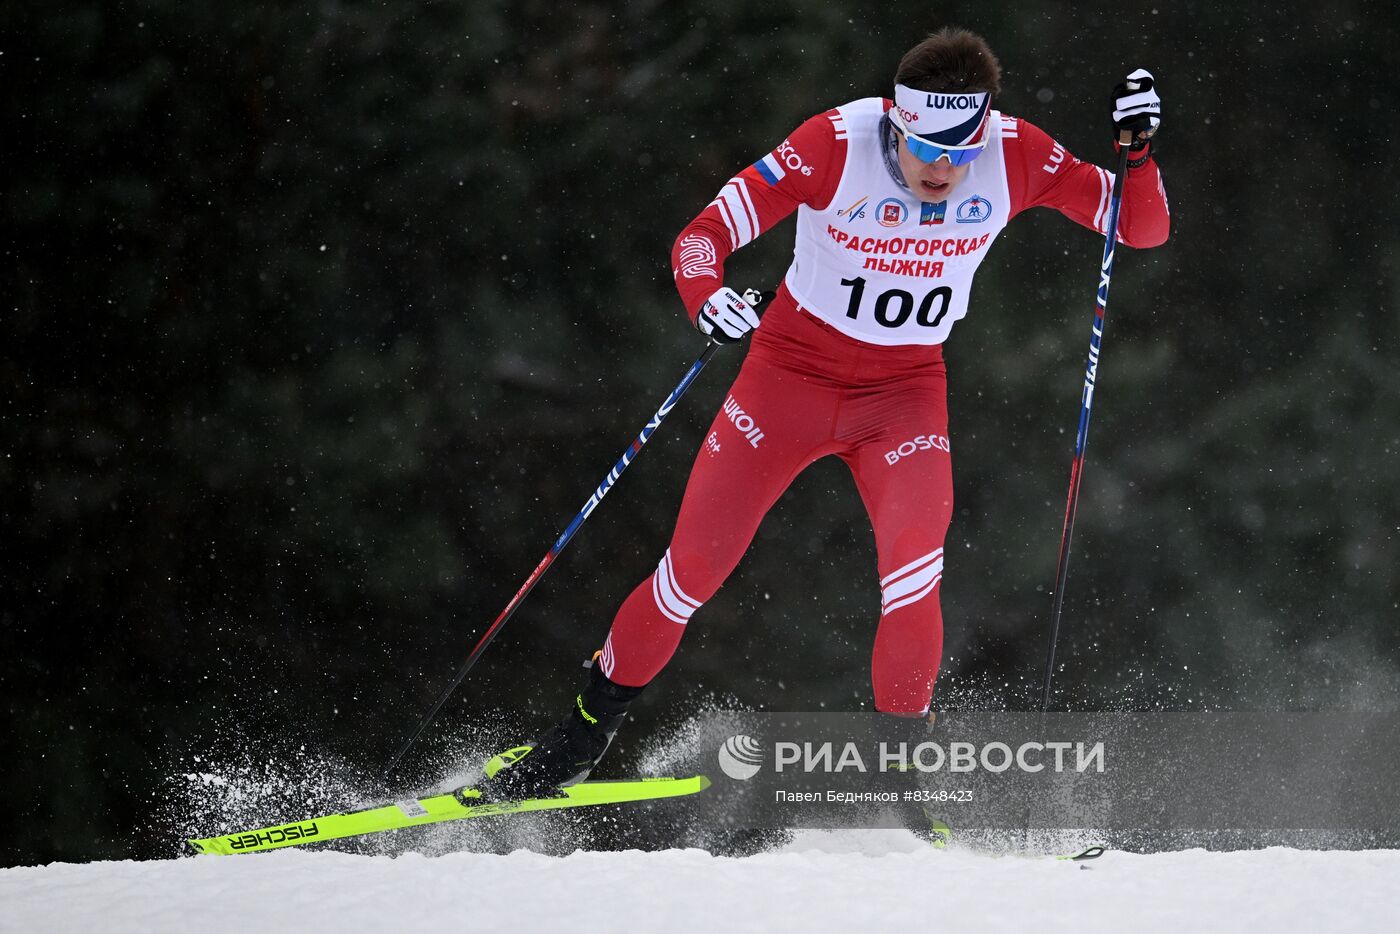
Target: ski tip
[
  {"x": 703, "y": 781},
  {"x": 1090, "y": 852}
]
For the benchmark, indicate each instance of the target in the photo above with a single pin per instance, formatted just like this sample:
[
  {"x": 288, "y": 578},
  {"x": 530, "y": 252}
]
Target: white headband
[{"x": 943, "y": 119}]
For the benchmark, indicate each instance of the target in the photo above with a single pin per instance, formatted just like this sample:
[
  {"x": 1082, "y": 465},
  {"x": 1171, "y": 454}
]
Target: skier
[{"x": 898, "y": 203}]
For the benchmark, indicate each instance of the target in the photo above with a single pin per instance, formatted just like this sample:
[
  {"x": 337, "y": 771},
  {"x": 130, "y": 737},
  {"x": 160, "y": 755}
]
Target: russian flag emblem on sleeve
[{"x": 770, "y": 168}]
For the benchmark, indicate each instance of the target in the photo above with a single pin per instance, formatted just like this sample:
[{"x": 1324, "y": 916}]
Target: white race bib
[{"x": 882, "y": 266}]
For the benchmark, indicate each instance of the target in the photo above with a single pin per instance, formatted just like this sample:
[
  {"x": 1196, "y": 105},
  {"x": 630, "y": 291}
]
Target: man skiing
[{"x": 898, "y": 202}]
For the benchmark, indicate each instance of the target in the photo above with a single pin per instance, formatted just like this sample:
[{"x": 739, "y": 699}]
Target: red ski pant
[{"x": 806, "y": 391}]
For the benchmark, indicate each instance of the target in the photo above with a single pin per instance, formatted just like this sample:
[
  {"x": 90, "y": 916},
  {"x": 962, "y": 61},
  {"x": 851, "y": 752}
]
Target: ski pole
[
  {"x": 559, "y": 546},
  {"x": 1125, "y": 138}
]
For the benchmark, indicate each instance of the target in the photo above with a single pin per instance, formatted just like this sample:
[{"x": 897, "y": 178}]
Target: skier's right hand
[{"x": 726, "y": 317}]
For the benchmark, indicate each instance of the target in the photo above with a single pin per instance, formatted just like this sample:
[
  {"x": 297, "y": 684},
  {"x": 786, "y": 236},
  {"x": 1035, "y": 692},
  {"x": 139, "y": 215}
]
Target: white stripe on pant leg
[
  {"x": 912, "y": 588},
  {"x": 911, "y": 567},
  {"x": 670, "y": 570},
  {"x": 912, "y": 582},
  {"x": 673, "y": 602},
  {"x": 912, "y": 598}
]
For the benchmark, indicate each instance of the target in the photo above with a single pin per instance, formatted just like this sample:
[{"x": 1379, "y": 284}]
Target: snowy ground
[{"x": 853, "y": 881}]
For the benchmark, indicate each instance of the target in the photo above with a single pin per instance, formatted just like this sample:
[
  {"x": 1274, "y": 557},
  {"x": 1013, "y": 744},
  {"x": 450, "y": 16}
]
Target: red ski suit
[{"x": 807, "y": 390}]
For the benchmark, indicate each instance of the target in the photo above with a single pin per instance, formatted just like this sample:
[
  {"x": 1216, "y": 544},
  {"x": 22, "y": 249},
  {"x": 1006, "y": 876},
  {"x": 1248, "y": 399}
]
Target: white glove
[
  {"x": 1136, "y": 107},
  {"x": 726, "y": 317}
]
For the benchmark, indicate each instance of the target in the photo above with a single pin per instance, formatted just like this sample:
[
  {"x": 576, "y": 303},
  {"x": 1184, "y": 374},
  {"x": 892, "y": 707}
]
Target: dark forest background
[{"x": 321, "y": 321}]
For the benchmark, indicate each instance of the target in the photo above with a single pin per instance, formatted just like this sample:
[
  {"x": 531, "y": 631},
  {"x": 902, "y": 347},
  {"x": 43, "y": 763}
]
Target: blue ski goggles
[{"x": 925, "y": 151}]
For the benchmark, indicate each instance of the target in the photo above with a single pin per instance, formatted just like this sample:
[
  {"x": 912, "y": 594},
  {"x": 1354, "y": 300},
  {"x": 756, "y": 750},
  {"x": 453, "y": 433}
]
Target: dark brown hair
[{"x": 951, "y": 60}]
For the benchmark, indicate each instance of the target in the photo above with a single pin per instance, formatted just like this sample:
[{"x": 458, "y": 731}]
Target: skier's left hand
[
  {"x": 1136, "y": 108},
  {"x": 725, "y": 317}
]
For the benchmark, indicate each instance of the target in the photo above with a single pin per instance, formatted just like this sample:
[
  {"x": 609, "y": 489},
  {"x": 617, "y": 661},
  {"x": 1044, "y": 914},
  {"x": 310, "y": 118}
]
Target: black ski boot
[
  {"x": 568, "y": 751},
  {"x": 925, "y": 823}
]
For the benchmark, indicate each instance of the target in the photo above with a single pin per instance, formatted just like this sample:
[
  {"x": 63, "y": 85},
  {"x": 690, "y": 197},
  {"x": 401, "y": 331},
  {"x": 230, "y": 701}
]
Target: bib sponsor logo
[
  {"x": 891, "y": 212},
  {"x": 742, "y": 421},
  {"x": 974, "y": 210},
  {"x": 915, "y": 445},
  {"x": 930, "y": 214},
  {"x": 855, "y": 212}
]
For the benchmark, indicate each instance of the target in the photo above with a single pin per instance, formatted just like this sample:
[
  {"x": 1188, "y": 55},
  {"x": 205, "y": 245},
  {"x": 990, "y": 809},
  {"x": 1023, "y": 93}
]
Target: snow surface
[{"x": 822, "y": 881}]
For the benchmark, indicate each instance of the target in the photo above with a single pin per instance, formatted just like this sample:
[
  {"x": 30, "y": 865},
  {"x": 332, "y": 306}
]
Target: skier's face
[{"x": 931, "y": 181}]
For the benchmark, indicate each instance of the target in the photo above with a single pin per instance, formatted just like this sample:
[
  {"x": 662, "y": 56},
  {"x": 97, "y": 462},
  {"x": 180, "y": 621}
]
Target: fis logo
[
  {"x": 741, "y": 757},
  {"x": 914, "y": 445},
  {"x": 855, "y": 212},
  {"x": 974, "y": 210},
  {"x": 742, "y": 421}
]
